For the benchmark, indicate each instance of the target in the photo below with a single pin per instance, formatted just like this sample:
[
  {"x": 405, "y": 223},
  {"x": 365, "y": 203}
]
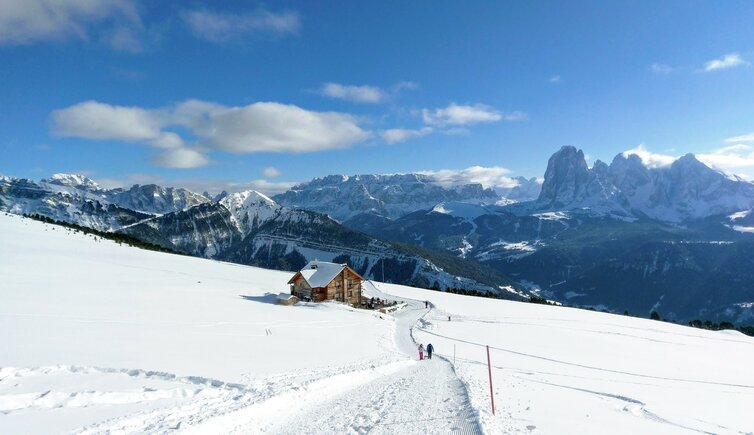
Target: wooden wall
[
  {"x": 346, "y": 287},
  {"x": 300, "y": 288}
]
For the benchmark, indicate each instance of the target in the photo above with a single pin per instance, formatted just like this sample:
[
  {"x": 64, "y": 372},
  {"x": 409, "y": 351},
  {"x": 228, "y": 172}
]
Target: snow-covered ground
[
  {"x": 102, "y": 338},
  {"x": 562, "y": 370},
  {"x": 94, "y": 331}
]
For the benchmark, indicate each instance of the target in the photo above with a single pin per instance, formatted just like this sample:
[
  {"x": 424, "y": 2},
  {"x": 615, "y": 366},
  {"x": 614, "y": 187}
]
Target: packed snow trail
[
  {"x": 403, "y": 395},
  {"x": 426, "y": 397}
]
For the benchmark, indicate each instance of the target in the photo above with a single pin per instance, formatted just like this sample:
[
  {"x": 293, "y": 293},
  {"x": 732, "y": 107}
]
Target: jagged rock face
[
  {"x": 205, "y": 230},
  {"x": 569, "y": 181},
  {"x": 77, "y": 199},
  {"x": 392, "y": 196},
  {"x": 687, "y": 189},
  {"x": 250, "y": 209},
  {"x": 73, "y": 180},
  {"x": 62, "y": 199},
  {"x": 629, "y": 173},
  {"x": 155, "y": 199},
  {"x": 690, "y": 188}
]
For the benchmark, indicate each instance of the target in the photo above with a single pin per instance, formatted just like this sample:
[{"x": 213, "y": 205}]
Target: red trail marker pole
[{"x": 489, "y": 369}]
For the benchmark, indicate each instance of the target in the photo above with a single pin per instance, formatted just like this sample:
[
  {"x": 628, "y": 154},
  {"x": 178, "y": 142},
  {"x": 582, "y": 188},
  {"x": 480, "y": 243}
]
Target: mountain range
[
  {"x": 685, "y": 190},
  {"x": 678, "y": 239},
  {"x": 623, "y": 237},
  {"x": 243, "y": 227},
  {"x": 391, "y": 196}
]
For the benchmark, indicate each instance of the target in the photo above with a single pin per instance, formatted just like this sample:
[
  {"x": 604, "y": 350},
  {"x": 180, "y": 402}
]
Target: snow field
[
  {"x": 108, "y": 337},
  {"x": 562, "y": 370},
  {"x": 102, "y": 338}
]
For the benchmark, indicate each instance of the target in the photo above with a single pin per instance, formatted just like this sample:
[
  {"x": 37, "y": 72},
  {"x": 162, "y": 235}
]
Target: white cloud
[
  {"x": 364, "y": 93},
  {"x": 271, "y": 172},
  {"x": 729, "y": 159},
  {"x": 728, "y": 61},
  {"x": 274, "y": 127},
  {"x": 358, "y": 94},
  {"x": 554, "y": 79},
  {"x": 124, "y": 39},
  {"x": 743, "y": 138},
  {"x": 28, "y": 21},
  {"x": 650, "y": 159},
  {"x": 222, "y": 27},
  {"x": 258, "y": 127},
  {"x": 180, "y": 158},
  {"x": 395, "y": 135},
  {"x": 456, "y": 114},
  {"x": 494, "y": 177},
  {"x": 167, "y": 139},
  {"x": 660, "y": 68},
  {"x": 94, "y": 120}
]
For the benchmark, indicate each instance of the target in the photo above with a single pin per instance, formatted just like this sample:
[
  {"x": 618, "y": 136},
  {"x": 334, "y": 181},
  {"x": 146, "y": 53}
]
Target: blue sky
[{"x": 245, "y": 94}]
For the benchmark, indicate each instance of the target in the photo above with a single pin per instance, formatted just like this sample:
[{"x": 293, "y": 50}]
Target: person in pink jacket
[{"x": 421, "y": 352}]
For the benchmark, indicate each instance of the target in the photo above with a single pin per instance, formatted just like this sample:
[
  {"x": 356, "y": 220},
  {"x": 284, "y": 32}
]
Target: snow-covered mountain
[
  {"x": 682, "y": 233},
  {"x": 64, "y": 199},
  {"x": 80, "y": 200},
  {"x": 250, "y": 228},
  {"x": 250, "y": 209},
  {"x": 525, "y": 189},
  {"x": 243, "y": 227},
  {"x": 687, "y": 189},
  {"x": 73, "y": 180},
  {"x": 154, "y": 199},
  {"x": 390, "y": 196}
]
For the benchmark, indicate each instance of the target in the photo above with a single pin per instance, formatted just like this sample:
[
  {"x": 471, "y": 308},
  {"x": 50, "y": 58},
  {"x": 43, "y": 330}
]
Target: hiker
[
  {"x": 421, "y": 352},
  {"x": 426, "y": 304},
  {"x": 430, "y": 349}
]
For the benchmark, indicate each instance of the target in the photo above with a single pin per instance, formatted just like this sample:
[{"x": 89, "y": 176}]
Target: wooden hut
[{"x": 319, "y": 281}]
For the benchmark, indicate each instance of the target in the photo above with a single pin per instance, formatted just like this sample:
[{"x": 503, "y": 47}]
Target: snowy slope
[
  {"x": 102, "y": 338},
  {"x": 109, "y": 331},
  {"x": 562, "y": 370}
]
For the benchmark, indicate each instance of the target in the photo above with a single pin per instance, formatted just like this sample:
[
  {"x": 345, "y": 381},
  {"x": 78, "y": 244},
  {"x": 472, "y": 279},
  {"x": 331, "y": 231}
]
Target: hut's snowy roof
[{"x": 320, "y": 273}]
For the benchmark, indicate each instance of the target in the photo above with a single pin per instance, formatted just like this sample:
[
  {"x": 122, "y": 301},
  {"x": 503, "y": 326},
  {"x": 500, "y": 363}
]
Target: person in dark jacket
[{"x": 430, "y": 349}]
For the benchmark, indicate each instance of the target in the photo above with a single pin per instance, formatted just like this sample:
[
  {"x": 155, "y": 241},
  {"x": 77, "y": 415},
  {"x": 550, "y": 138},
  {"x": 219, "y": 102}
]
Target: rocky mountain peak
[
  {"x": 250, "y": 209},
  {"x": 687, "y": 189},
  {"x": 72, "y": 180},
  {"x": 566, "y": 178},
  {"x": 387, "y": 195}
]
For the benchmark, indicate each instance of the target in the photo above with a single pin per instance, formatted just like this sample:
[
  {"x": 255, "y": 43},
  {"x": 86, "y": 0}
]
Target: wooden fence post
[{"x": 489, "y": 369}]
